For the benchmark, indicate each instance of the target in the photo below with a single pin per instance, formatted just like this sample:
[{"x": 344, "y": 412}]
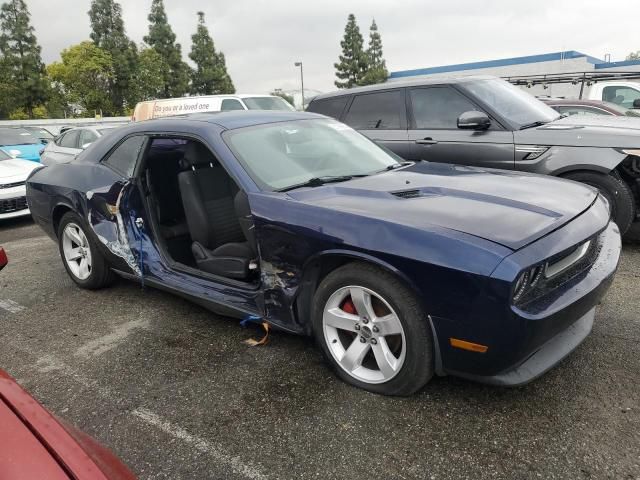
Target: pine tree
[
  {"x": 225, "y": 84},
  {"x": 22, "y": 68},
  {"x": 353, "y": 61},
  {"x": 149, "y": 82},
  {"x": 210, "y": 75},
  {"x": 162, "y": 39},
  {"x": 376, "y": 66},
  {"x": 108, "y": 33}
]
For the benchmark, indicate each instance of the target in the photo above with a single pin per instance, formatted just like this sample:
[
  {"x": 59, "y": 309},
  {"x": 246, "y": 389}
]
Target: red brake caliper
[{"x": 348, "y": 306}]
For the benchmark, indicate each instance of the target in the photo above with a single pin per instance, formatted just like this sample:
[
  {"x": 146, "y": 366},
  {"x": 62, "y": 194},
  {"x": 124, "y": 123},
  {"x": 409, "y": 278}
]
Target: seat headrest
[{"x": 196, "y": 154}]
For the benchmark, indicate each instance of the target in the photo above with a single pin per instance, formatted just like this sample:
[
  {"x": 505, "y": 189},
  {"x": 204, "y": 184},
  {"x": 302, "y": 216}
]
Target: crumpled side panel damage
[
  {"x": 280, "y": 278},
  {"x": 105, "y": 218}
]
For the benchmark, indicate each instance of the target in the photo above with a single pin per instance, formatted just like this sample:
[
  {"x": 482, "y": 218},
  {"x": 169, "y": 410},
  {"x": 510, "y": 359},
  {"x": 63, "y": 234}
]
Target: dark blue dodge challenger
[{"x": 399, "y": 270}]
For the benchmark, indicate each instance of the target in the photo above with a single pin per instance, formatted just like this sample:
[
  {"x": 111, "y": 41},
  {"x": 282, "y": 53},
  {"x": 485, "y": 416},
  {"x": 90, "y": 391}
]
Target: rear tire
[
  {"x": 365, "y": 310},
  {"x": 80, "y": 254},
  {"x": 617, "y": 193}
]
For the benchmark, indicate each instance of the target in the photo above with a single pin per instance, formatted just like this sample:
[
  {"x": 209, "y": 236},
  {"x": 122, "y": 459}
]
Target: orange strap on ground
[{"x": 263, "y": 341}]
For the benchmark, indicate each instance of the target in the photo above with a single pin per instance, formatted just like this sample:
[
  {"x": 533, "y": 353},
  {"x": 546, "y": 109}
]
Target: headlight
[
  {"x": 526, "y": 282},
  {"x": 632, "y": 151}
]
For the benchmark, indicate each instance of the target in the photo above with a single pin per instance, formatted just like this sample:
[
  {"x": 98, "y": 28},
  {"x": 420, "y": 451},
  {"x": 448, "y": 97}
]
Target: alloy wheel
[
  {"x": 77, "y": 252},
  {"x": 364, "y": 334}
]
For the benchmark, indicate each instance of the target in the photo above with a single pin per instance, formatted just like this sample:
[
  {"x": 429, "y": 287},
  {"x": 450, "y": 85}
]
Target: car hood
[
  {"x": 16, "y": 170},
  {"x": 585, "y": 131},
  {"x": 27, "y": 151},
  {"x": 512, "y": 209}
]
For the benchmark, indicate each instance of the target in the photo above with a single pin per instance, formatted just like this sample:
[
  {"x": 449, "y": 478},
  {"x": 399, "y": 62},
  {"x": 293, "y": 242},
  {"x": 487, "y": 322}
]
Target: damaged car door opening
[{"x": 399, "y": 270}]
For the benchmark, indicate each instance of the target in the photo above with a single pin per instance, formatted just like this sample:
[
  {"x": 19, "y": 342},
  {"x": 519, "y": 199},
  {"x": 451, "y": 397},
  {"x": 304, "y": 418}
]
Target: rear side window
[
  {"x": 231, "y": 104},
  {"x": 438, "y": 107},
  {"x": 70, "y": 139},
  {"x": 384, "y": 111},
  {"x": 331, "y": 107},
  {"x": 123, "y": 159},
  {"x": 87, "y": 136}
]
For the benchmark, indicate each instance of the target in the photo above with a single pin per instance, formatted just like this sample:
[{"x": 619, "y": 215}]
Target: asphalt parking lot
[{"x": 174, "y": 391}]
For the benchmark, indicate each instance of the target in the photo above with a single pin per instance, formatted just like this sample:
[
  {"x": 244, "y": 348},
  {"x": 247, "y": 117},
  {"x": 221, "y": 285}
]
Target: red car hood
[{"x": 34, "y": 444}]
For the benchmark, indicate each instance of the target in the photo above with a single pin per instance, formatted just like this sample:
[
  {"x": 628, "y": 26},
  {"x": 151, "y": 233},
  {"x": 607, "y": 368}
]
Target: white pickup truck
[
  {"x": 610, "y": 87},
  {"x": 625, "y": 94}
]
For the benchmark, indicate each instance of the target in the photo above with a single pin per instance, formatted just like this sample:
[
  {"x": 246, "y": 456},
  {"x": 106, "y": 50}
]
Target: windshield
[
  {"x": 280, "y": 155},
  {"x": 267, "y": 103},
  {"x": 17, "y": 136},
  {"x": 4, "y": 155},
  {"x": 622, "y": 110},
  {"x": 510, "y": 102}
]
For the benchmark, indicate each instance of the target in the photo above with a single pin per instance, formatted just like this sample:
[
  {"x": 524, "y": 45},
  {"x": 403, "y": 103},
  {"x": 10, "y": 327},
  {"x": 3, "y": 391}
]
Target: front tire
[
  {"x": 80, "y": 255},
  {"x": 373, "y": 331},
  {"x": 617, "y": 193}
]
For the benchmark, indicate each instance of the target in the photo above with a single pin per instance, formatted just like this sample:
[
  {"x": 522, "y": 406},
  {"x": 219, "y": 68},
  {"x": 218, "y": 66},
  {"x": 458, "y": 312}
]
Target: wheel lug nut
[
  {"x": 376, "y": 329},
  {"x": 362, "y": 340},
  {"x": 365, "y": 320},
  {"x": 374, "y": 341}
]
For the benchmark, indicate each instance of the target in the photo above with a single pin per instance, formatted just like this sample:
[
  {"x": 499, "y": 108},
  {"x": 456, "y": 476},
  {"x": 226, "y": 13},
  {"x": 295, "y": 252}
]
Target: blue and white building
[{"x": 569, "y": 61}]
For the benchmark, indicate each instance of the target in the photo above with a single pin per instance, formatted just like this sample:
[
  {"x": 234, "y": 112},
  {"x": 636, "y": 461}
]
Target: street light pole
[{"x": 299, "y": 64}]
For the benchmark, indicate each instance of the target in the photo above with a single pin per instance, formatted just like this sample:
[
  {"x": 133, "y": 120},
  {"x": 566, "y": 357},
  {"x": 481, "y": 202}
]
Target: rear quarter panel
[{"x": 90, "y": 190}]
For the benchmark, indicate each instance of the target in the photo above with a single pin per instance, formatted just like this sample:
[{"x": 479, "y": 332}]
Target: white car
[
  {"x": 169, "y": 107},
  {"x": 66, "y": 146},
  {"x": 13, "y": 174}
]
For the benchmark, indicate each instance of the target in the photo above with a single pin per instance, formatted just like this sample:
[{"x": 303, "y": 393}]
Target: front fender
[{"x": 559, "y": 160}]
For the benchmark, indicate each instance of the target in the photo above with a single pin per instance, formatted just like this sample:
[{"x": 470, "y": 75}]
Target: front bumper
[
  {"x": 13, "y": 202},
  {"x": 522, "y": 345}
]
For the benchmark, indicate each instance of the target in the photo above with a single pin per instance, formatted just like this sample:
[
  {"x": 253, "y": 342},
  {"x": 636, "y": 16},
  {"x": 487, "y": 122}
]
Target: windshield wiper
[
  {"x": 398, "y": 165},
  {"x": 319, "y": 181},
  {"x": 533, "y": 124}
]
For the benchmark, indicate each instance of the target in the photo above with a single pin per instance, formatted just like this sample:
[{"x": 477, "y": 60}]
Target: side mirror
[
  {"x": 474, "y": 120},
  {"x": 86, "y": 145},
  {"x": 636, "y": 103}
]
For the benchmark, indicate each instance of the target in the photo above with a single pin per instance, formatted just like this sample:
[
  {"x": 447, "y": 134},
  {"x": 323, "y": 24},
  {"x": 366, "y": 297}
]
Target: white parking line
[
  {"x": 110, "y": 341},
  {"x": 11, "y": 306},
  {"x": 204, "y": 446},
  {"x": 47, "y": 363}
]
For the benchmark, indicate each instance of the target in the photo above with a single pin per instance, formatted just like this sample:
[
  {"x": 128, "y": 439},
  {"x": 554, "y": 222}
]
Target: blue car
[
  {"x": 400, "y": 270},
  {"x": 21, "y": 143}
]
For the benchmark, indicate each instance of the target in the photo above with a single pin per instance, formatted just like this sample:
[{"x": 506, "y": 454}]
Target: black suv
[{"x": 487, "y": 122}]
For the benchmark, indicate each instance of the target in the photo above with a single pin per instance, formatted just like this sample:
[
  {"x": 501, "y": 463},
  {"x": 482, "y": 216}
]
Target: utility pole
[{"x": 299, "y": 64}]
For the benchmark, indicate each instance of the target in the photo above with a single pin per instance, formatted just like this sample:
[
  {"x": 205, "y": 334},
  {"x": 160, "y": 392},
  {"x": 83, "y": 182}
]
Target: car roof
[
  {"x": 221, "y": 96},
  {"x": 93, "y": 127},
  {"x": 257, "y": 95},
  {"x": 404, "y": 83},
  {"x": 179, "y": 124},
  {"x": 232, "y": 119},
  {"x": 567, "y": 101}
]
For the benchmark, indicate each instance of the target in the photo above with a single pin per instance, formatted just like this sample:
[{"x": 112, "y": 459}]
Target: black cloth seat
[
  {"x": 162, "y": 180},
  {"x": 208, "y": 194}
]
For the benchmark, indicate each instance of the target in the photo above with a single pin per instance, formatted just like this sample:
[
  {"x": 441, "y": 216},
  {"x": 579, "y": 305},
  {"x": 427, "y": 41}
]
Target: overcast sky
[{"x": 261, "y": 39}]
